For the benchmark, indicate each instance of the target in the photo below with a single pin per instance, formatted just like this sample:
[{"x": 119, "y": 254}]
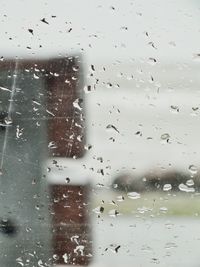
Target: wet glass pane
[{"x": 99, "y": 133}]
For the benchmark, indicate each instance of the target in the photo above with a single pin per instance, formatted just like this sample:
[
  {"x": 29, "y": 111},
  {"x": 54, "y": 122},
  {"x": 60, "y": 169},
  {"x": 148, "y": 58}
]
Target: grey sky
[{"x": 102, "y": 30}]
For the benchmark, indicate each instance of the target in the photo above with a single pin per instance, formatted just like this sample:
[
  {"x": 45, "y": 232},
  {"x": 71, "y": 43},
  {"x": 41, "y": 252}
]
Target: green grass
[{"x": 149, "y": 204}]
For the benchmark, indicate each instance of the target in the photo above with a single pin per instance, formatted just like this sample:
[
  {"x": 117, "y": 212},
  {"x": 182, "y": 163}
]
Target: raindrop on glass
[
  {"x": 167, "y": 187},
  {"x": 133, "y": 195},
  {"x": 193, "y": 169},
  {"x": 190, "y": 182}
]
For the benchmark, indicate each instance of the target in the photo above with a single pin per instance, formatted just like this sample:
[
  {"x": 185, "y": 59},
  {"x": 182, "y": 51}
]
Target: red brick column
[
  {"x": 71, "y": 229},
  {"x": 70, "y": 203}
]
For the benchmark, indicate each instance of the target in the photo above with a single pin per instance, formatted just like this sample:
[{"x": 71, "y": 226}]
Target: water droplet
[
  {"x": 174, "y": 109},
  {"x": 75, "y": 238},
  {"x": 44, "y": 20},
  {"x": 144, "y": 209},
  {"x": 75, "y": 68},
  {"x": 28, "y": 229},
  {"x": 190, "y": 182},
  {"x": 109, "y": 85},
  {"x": 167, "y": 187},
  {"x": 117, "y": 248},
  {"x": 163, "y": 209},
  {"x": 8, "y": 121},
  {"x": 112, "y": 127},
  {"x": 37, "y": 207},
  {"x": 19, "y": 261},
  {"x": 152, "y": 61},
  {"x": 138, "y": 133},
  {"x": 87, "y": 89},
  {"x": 31, "y": 31},
  {"x": 41, "y": 264},
  {"x": 196, "y": 57},
  {"x": 101, "y": 209},
  {"x": 170, "y": 245},
  {"x": 115, "y": 185},
  {"x": 33, "y": 181},
  {"x": 92, "y": 67},
  {"x": 133, "y": 195},
  {"x": 193, "y": 169},
  {"x": 195, "y": 108},
  {"x": 54, "y": 161},
  {"x": 67, "y": 81},
  {"x": 67, "y": 180},
  {"x": 56, "y": 74},
  {"x": 185, "y": 188},
  {"x": 165, "y": 136},
  {"x": 79, "y": 138},
  {"x": 55, "y": 257},
  {"x": 35, "y": 76},
  {"x": 52, "y": 145},
  {"x": 78, "y": 103},
  {"x": 97, "y": 210},
  {"x": 99, "y": 185},
  {"x": 65, "y": 257},
  {"x": 113, "y": 213},
  {"x": 120, "y": 198},
  {"x": 48, "y": 169},
  {"x": 79, "y": 250},
  {"x": 5, "y": 89},
  {"x": 74, "y": 78},
  {"x": 19, "y": 131}
]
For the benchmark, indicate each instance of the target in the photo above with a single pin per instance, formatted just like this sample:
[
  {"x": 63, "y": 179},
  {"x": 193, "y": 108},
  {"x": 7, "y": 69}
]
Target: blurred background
[{"x": 139, "y": 102}]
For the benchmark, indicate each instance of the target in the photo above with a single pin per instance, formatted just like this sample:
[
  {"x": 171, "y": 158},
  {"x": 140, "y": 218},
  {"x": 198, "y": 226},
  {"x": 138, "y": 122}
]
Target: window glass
[{"x": 99, "y": 131}]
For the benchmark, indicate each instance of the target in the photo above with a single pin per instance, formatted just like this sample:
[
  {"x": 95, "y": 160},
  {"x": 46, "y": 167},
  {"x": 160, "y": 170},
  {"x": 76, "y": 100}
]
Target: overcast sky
[{"x": 101, "y": 30}]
